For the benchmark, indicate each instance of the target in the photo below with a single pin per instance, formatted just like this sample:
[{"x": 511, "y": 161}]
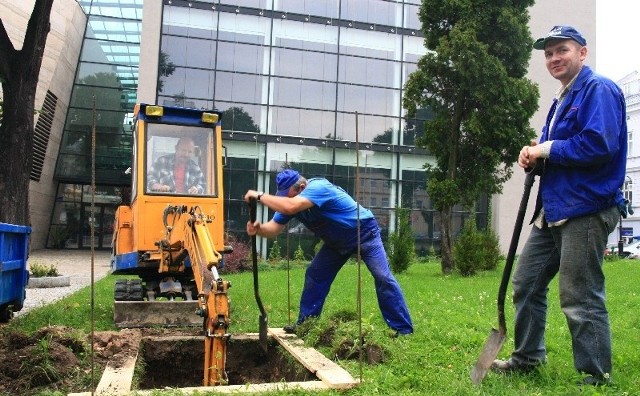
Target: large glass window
[
  {"x": 238, "y": 87},
  {"x": 240, "y": 117},
  {"x": 378, "y": 44},
  {"x": 304, "y": 64},
  {"x": 101, "y": 51},
  {"x": 371, "y": 128},
  {"x": 308, "y": 36},
  {"x": 328, "y": 44},
  {"x": 175, "y": 83},
  {"x": 366, "y": 71},
  {"x": 189, "y": 22},
  {"x": 114, "y": 29},
  {"x": 302, "y": 122},
  {"x": 175, "y": 49},
  {"x": 367, "y": 99},
  {"x": 236, "y": 57},
  {"x": 201, "y": 53},
  {"x": 325, "y": 8},
  {"x": 239, "y": 28},
  {"x": 411, "y": 19},
  {"x": 381, "y": 12},
  {"x": 303, "y": 93}
]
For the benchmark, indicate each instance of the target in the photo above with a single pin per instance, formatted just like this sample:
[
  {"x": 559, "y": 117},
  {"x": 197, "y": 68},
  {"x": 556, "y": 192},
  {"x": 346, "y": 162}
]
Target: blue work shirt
[
  {"x": 587, "y": 162},
  {"x": 333, "y": 216}
]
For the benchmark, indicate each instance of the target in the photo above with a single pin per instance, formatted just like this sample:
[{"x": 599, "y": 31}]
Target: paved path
[{"x": 74, "y": 263}]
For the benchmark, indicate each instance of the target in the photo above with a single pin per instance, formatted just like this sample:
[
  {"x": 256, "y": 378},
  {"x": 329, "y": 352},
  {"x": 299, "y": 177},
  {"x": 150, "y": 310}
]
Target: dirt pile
[{"x": 58, "y": 358}]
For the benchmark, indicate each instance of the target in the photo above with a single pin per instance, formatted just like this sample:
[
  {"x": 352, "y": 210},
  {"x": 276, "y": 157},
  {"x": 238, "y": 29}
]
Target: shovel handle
[
  {"x": 253, "y": 205},
  {"x": 506, "y": 273}
]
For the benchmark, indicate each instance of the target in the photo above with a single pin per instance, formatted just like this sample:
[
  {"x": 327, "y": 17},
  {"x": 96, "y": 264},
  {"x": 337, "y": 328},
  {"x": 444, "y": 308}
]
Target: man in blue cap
[
  {"x": 332, "y": 215},
  {"x": 581, "y": 158}
]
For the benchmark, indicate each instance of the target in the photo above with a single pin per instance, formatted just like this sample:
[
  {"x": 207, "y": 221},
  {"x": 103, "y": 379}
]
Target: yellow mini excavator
[{"x": 171, "y": 235}]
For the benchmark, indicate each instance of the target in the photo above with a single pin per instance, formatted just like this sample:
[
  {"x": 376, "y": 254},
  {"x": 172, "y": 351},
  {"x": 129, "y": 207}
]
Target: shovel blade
[
  {"x": 488, "y": 355},
  {"x": 263, "y": 338}
]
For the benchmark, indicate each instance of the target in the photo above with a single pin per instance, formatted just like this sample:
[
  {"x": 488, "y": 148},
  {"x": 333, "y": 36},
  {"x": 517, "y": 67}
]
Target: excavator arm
[{"x": 213, "y": 301}]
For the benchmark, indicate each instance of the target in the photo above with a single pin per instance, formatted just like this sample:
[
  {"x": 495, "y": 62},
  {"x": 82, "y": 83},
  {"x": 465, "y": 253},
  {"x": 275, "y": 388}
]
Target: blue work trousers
[
  {"x": 325, "y": 266},
  {"x": 575, "y": 251}
]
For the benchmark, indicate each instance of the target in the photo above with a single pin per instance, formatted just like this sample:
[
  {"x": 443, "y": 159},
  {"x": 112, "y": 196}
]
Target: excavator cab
[{"x": 171, "y": 235}]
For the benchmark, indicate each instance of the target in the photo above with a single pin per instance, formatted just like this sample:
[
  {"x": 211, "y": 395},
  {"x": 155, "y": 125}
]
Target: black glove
[
  {"x": 625, "y": 208},
  {"x": 538, "y": 168}
]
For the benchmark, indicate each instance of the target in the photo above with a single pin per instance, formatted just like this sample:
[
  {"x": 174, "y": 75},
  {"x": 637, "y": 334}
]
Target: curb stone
[{"x": 48, "y": 281}]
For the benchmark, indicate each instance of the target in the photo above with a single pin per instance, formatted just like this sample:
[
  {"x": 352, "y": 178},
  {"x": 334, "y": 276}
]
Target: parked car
[
  {"x": 634, "y": 250},
  {"x": 630, "y": 251}
]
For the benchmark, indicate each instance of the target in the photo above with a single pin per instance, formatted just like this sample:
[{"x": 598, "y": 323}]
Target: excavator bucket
[{"x": 155, "y": 313}]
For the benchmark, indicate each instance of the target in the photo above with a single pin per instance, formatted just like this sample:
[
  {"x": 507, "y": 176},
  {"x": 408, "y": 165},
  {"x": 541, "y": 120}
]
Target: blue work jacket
[{"x": 587, "y": 163}]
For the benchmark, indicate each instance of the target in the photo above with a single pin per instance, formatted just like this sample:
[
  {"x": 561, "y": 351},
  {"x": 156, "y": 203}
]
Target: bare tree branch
[
  {"x": 7, "y": 52},
  {"x": 36, "y": 35}
]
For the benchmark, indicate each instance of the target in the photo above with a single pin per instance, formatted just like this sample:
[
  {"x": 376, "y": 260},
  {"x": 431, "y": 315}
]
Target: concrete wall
[
  {"x": 149, "y": 57},
  {"x": 544, "y": 15},
  {"x": 56, "y": 75}
]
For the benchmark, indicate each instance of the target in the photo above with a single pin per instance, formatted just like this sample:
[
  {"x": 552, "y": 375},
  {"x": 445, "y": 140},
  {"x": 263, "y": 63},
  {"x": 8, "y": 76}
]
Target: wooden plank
[
  {"x": 248, "y": 388},
  {"x": 242, "y": 389},
  {"x": 325, "y": 369},
  {"x": 118, "y": 374},
  {"x": 116, "y": 380}
]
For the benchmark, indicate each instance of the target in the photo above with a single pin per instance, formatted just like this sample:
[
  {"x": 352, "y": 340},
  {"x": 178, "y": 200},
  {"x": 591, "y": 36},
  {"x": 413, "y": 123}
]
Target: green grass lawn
[{"x": 452, "y": 315}]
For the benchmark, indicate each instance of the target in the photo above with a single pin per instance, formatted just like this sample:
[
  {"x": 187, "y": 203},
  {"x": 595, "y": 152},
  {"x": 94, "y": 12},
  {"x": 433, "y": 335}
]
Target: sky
[{"x": 617, "y": 23}]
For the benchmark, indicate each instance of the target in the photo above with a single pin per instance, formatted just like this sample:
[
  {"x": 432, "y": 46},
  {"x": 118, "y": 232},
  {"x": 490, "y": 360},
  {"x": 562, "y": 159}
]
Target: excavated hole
[{"x": 179, "y": 363}]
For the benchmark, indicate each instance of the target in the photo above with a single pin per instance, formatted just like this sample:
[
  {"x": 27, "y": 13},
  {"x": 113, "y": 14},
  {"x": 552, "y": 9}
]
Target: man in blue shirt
[
  {"x": 582, "y": 161},
  {"x": 332, "y": 215}
]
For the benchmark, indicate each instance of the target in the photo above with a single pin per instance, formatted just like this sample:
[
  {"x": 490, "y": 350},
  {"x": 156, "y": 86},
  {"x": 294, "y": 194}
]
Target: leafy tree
[
  {"x": 19, "y": 70},
  {"x": 473, "y": 81}
]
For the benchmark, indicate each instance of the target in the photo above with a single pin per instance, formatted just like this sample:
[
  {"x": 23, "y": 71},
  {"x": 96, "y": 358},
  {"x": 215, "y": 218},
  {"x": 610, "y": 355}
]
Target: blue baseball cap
[
  {"x": 560, "y": 33},
  {"x": 284, "y": 180}
]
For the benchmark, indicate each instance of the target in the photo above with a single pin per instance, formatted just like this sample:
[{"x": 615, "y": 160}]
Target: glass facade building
[
  {"x": 314, "y": 84},
  {"x": 107, "y": 79}
]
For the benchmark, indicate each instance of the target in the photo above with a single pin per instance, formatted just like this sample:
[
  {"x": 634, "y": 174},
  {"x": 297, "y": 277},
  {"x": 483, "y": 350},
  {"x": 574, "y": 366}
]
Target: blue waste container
[{"x": 14, "y": 245}]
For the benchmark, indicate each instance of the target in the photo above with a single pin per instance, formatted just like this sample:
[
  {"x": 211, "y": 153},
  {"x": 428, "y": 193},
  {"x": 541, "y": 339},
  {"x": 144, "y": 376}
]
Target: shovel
[
  {"x": 263, "y": 319},
  {"x": 497, "y": 337}
]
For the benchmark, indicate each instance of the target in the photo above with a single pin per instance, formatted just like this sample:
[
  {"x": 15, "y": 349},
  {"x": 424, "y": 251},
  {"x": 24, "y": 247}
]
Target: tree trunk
[
  {"x": 19, "y": 72},
  {"x": 16, "y": 134},
  {"x": 446, "y": 242}
]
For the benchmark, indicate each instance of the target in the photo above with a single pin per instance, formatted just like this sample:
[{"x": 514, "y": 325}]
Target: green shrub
[
  {"x": 298, "y": 255},
  {"x": 401, "y": 249},
  {"x": 275, "y": 254},
  {"x": 475, "y": 250},
  {"x": 58, "y": 236},
  {"x": 40, "y": 270}
]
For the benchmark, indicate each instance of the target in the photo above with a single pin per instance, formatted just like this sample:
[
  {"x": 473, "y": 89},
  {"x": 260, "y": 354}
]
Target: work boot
[
  {"x": 509, "y": 366},
  {"x": 594, "y": 381},
  {"x": 290, "y": 329},
  {"x": 397, "y": 334}
]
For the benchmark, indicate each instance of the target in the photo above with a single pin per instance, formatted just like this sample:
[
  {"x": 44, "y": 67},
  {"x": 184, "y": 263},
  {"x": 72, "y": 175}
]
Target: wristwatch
[{"x": 260, "y": 194}]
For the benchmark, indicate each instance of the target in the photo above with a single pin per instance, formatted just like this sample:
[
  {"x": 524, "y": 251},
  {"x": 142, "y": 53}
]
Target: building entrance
[{"x": 102, "y": 222}]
